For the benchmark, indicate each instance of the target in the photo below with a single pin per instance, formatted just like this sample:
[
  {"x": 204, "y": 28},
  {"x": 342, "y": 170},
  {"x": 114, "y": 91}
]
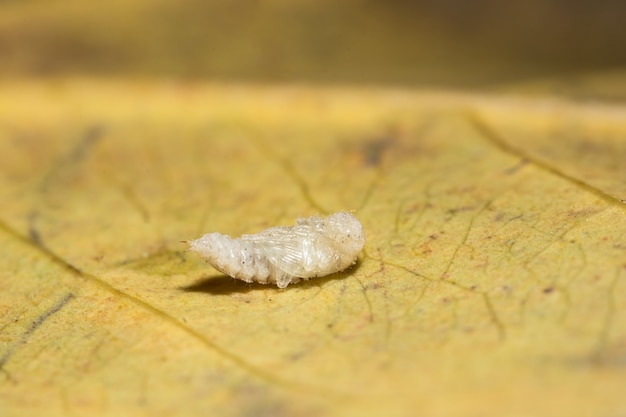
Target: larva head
[{"x": 346, "y": 231}]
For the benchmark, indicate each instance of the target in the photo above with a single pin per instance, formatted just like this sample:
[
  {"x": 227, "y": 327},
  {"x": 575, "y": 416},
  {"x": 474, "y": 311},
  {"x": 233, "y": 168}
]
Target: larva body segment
[{"x": 314, "y": 247}]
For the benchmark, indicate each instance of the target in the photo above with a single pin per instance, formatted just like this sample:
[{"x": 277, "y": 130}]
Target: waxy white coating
[{"x": 314, "y": 247}]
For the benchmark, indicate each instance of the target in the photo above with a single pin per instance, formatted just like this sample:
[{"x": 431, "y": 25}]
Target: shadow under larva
[{"x": 222, "y": 284}]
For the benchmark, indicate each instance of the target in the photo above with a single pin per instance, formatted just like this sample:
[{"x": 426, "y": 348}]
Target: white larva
[{"x": 314, "y": 247}]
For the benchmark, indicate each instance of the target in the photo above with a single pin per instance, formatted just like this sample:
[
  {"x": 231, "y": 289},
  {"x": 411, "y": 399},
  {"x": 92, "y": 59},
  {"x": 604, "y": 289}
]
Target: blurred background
[{"x": 440, "y": 43}]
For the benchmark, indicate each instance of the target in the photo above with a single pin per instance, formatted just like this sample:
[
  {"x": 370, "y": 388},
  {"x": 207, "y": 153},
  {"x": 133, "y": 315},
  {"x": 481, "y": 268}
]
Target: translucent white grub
[{"x": 313, "y": 247}]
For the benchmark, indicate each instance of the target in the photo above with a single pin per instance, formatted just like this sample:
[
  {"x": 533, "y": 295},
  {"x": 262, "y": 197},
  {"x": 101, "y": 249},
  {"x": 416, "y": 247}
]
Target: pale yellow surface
[{"x": 493, "y": 280}]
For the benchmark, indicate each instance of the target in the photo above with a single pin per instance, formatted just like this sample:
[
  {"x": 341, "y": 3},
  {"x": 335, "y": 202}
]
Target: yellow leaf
[{"x": 492, "y": 282}]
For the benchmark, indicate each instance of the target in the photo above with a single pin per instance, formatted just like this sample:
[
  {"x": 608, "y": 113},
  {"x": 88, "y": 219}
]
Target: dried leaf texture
[{"x": 492, "y": 281}]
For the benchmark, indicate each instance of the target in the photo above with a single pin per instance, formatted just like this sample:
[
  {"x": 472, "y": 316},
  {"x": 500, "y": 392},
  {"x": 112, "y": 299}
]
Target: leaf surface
[{"x": 492, "y": 281}]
